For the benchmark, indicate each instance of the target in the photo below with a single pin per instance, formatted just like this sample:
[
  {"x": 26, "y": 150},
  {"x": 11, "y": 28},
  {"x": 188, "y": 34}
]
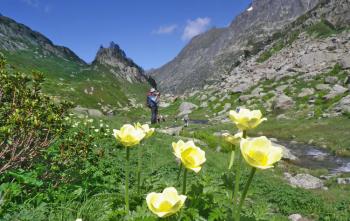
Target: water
[
  {"x": 313, "y": 157},
  {"x": 198, "y": 121}
]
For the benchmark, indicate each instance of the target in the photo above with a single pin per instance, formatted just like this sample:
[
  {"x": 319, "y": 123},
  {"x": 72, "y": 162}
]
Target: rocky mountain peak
[
  {"x": 215, "y": 52},
  {"x": 114, "y": 58}
]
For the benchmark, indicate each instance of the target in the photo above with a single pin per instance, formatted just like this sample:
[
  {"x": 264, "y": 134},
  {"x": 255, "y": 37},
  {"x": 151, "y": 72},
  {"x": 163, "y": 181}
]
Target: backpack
[{"x": 149, "y": 102}]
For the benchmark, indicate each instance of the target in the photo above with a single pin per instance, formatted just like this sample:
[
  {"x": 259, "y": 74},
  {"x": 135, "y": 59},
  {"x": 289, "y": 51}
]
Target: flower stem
[
  {"x": 232, "y": 158},
  {"x": 139, "y": 167},
  {"x": 179, "y": 173},
  {"x": 127, "y": 180},
  {"x": 244, "y": 194},
  {"x": 238, "y": 160},
  {"x": 184, "y": 182}
]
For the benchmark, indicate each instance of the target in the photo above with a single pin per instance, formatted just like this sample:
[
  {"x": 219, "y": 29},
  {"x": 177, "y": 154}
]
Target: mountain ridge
[
  {"x": 204, "y": 62},
  {"x": 96, "y": 85}
]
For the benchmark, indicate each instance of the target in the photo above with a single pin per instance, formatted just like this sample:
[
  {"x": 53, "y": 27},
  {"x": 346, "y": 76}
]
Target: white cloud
[
  {"x": 165, "y": 29},
  {"x": 250, "y": 9},
  {"x": 195, "y": 27}
]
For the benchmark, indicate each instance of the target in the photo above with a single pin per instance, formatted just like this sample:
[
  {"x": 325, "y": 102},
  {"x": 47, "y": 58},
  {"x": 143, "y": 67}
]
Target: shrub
[{"x": 29, "y": 120}]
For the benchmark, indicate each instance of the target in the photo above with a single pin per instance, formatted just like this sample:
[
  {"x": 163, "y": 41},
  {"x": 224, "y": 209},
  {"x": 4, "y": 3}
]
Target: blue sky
[{"x": 151, "y": 32}]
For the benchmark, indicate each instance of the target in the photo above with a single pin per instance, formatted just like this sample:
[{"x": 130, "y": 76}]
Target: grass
[
  {"x": 68, "y": 80},
  {"x": 321, "y": 29}
]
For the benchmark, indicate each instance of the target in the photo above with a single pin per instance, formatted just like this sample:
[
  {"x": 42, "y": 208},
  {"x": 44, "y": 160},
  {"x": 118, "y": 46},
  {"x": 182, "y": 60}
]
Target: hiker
[
  {"x": 186, "y": 119},
  {"x": 152, "y": 102}
]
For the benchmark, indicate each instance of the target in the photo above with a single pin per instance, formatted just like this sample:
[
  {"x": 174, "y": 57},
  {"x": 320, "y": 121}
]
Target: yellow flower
[
  {"x": 233, "y": 139},
  {"x": 180, "y": 146},
  {"x": 260, "y": 153},
  {"x": 191, "y": 156},
  {"x": 246, "y": 119},
  {"x": 128, "y": 135},
  {"x": 145, "y": 127},
  {"x": 166, "y": 203}
]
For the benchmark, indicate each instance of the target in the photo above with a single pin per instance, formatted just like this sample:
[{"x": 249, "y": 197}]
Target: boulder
[
  {"x": 212, "y": 99},
  {"x": 343, "y": 180},
  {"x": 186, "y": 108},
  {"x": 204, "y": 104},
  {"x": 240, "y": 88},
  {"x": 227, "y": 106},
  {"x": 306, "y": 92},
  {"x": 305, "y": 181},
  {"x": 331, "y": 80},
  {"x": 322, "y": 87},
  {"x": 287, "y": 154},
  {"x": 164, "y": 104},
  {"x": 94, "y": 113},
  {"x": 173, "y": 131},
  {"x": 295, "y": 217},
  {"x": 343, "y": 105},
  {"x": 203, "y": 97},
  {"x": 345, "y": 62},
  {"x": 80, "y": 110},
  {"x": 283, "y": 102},
  {"x": 244, "y": 98},
  {"x": 335, "y": 91}
]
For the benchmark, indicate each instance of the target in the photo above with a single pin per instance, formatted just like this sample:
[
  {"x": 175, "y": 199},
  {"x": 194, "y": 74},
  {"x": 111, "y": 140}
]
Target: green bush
[{"x": 29, "y": 120}]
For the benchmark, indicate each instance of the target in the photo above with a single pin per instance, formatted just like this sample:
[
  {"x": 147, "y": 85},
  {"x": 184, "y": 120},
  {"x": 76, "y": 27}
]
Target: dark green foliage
[
  {"x": 29, "y": 120},
  {"x": 321, "y": 29}
]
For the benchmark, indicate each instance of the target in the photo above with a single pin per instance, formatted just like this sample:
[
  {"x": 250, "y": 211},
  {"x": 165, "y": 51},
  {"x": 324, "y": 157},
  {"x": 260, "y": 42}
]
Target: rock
[
  {"x": 240, "y": 88},
  {"x": 203, "y": 97},
  {"x": 281, "y": 88},
  {"x": 204, "y": 104},
  {"x": 331, "y": 80},
  {"x": 287, "y": 154},
  {"x": 322, "y": 87},
  {"x": 343, "y": 105},
  {"x": 282, "y": 117},
  {"x": 306, "y": 92},
  {"x": 295, "y": 217},
  {"x": 164, "y": 105},
  {"x": 94, "y": 113},
  {"x": 80, "y": 110},
  {"x": 338, "y": 89},
  {"x": 173, "y": 131},
  {"x": 245, "y": 98},
  {"x": 305, "y": 181},
  {"x": 347, "y": 80},
  {"x": 345, "y": 62},
  {"x": 212, "y": 99},
  {"x": 225, "y": 110},
  {"x": 343, "y": 180},
  {"x": 335, "y": 91},
  {"x": 227, "y": 106},
  {"x": 283, "y": 102},
  {"x": 186, "y": 108}
]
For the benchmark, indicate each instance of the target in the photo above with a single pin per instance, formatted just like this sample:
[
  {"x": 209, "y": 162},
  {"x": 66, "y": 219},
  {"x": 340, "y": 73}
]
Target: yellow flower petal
[
  {"x": 259, "y": 152},
  {"x": 246, "y": 119},
  {"x": 129, "y": 135},
  {"x": 166, "y": 203}
]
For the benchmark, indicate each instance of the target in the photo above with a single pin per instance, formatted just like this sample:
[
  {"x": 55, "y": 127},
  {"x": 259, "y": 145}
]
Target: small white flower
[
  {"x": 97, "y": 130},
  {"x": 101, "y": 125},
  {"x": 79, "y": 219}
]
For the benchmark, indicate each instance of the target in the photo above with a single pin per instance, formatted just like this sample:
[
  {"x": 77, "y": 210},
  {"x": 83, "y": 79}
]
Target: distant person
[
  {"x": 186, "y": 119},
  {"x": 152, "y": 103}
]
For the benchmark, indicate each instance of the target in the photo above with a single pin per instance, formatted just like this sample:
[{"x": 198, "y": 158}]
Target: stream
[
  {"x": 309, "y": 156},
  {"x": 313, "y": 157}
]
